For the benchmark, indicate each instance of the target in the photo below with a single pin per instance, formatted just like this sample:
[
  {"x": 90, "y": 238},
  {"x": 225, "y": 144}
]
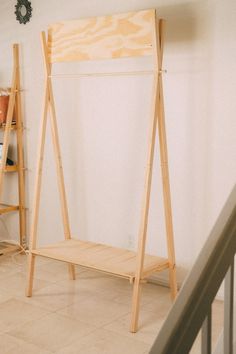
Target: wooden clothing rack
[
  {"x": 109, "y": 37},
  {"x": 14, "y": 111}
]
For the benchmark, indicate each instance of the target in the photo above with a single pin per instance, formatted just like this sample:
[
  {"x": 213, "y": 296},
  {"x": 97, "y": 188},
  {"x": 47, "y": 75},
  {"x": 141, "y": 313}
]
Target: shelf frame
[
  {"x": 67, "y": 41},
  {"x": 104, "y": 258},
  {"x": 16, "y": 125}
]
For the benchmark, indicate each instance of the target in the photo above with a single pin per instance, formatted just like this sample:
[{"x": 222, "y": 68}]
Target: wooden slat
[
  {"x": 104, "y": 258},
  {"x": 5, "y": 208},
  {"x": 13, "y": 168},
  {"x": 117, "y": 36},
  {"x": 13, "y": 126}
]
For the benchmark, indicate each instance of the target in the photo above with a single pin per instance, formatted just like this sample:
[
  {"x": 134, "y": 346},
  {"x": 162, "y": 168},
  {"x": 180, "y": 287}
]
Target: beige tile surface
[
  {"x": 95, "y": 310},
  {"x": 105, "y": 342},
  {"x": 16, "y": 284},
  {"x": 12, "y": 345},
  {"x": 55, "y": 271},
  {"x": 149, "y": 326},
  {"x": 54, "y": 297},
  {"x": 14, "y": 313},
  {"x": 4, "y": 296},
  {"x": 88, "y": 315},
  {"x": 52, "y": 332}
]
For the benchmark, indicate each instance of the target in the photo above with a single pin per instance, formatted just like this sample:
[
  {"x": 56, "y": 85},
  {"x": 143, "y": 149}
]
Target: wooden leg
[
  {"x": 135, "y": 306},
  {"x": 173, "y": 283},
  {"x": 165, "y": 170},
  {"x": 31, "y": 264},
  {"x": 71, "y": 271}
]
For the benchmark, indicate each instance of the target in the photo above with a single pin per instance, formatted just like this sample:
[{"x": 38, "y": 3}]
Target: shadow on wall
[
  {"x": 183, "y": 20},
  {"x": 188, "y": 56}
]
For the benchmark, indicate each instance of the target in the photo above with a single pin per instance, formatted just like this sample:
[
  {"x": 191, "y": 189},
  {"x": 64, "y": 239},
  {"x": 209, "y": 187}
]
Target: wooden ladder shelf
[
  {"x": 10, "y": 126},
  {"x": 72, "y": 41}
]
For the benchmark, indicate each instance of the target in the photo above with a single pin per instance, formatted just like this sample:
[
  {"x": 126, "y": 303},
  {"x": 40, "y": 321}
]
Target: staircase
[{"x": 191, "y": 311}]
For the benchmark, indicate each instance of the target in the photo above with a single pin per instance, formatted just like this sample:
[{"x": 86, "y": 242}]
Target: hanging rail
[{"x": 123, "y": 73}]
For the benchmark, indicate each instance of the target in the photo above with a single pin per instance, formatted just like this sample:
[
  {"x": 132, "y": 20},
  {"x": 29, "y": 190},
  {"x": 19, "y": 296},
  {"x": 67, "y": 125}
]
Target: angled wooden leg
[
  {"x": 6, "y": 138},
  {"x": 31, "y": 264},
  {"x": 57, "y": 152},
  {"x": 173, "y": 282},
  {"x": 145, "y": 209},
  {"x": 135, "y": 305},
  {"x": 72, "y": 271},
  {"x": 20, "y": 153},
  {"x": 165, "y": 170},
  {"x": 38, "y": 183}
]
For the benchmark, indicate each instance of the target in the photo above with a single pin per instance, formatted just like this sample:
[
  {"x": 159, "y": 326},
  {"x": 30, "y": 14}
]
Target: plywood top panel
[{"x": 107, "y": 37}]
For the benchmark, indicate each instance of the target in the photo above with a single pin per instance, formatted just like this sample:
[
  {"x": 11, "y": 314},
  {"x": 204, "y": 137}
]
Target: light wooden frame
[
  {"x": 14, "y": 109},
  {"x": 108, "y": 37}
]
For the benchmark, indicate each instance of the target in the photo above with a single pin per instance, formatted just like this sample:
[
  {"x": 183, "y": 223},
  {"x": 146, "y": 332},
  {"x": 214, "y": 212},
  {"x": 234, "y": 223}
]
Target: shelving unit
[
  {"x": 109, "y": 37},
  {"x": 14, "y": 126}
]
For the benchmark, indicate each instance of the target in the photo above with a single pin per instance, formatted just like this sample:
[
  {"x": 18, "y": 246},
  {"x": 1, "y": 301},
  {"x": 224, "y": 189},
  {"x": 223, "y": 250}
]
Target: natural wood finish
[
  {"x": 56, "y": 144},
  {"x": 6, "y": 208},
  {"x": 14, "y": 109},
  {"x": 20, "y": 153},
  {"x": 3, "y": 127},
  {"x": 12, "y": 168},
  {"x": 57, "y": 152},
  {"x": 38, "y": 183},
  {"x": 146, "y": 201},
  {"x": 94, "y": 74},
  {"x": 8, "y": 127},
  {"x": 30, "y": 276},
  {"x": 100, "y": 257},
  {"x": 48, "y": 107},
  {"x": 165, "y": 168},
  {"x": 106, "y": 37},
  {"x": 80, "y": 40}
]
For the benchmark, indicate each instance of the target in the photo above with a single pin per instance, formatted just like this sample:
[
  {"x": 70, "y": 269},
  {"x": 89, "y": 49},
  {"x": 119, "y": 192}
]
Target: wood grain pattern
[
  {"x": 117, "y": 36},
  {"x": 118, "y": 261}
]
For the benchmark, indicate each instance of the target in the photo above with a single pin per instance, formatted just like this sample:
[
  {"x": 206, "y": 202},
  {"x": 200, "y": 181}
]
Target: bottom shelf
[
  {"x": 6, "y": 247},
  {"x": 112, "y": 260}
]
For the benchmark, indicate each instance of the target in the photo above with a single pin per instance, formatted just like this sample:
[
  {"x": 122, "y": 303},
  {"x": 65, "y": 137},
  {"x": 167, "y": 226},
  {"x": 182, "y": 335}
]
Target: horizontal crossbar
[{"x": 125, "y": 73}]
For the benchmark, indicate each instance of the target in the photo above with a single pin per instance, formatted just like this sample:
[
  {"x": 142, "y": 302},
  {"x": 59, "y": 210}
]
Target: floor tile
[
  {"x": 55, "y": 297},
  {"x": 105, "y": 342},
  {"x": 96, "y": 281},
  {"x": 14, "y": 313},
  {"x": 53, "y": 332},
  {"x": 16, "y": 284},
  {"x": 55, "y": 271},
  {"x": 95, "y": 310},
  {"x": 149, "y": 326},
  {"x": 12, "y": 345},
  {"x": 4, "y": 296},
  {"x": 88, "y": 315}
]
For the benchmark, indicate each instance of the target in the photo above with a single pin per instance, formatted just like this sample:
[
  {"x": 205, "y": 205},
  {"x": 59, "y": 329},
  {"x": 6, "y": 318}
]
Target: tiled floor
[{"x": 89, "y": 315}]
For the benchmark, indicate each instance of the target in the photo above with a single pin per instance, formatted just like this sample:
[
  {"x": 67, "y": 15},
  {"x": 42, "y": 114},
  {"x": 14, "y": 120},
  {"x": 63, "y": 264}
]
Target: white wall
[{"x": 103, "y": 124}]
